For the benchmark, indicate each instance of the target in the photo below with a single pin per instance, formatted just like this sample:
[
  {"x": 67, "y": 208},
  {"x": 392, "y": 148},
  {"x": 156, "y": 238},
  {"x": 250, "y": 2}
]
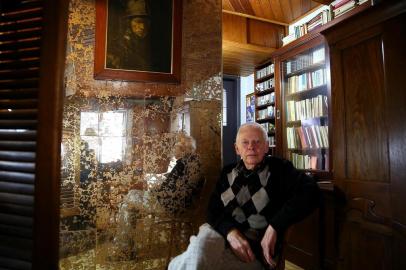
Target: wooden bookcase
[
  {"x": 303, "y": 88},
  {"x": 305, "y": 107},
  {"x": 265, "y": 101}
]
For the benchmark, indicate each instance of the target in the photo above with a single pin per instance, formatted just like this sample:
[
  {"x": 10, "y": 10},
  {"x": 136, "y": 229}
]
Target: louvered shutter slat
[
  {"x": 31, "y": 124},
  {"x": 13, "y": 84},
  {"x": 16, "y": 64},
  {"x": 18, "y": 199},
  {"x": 19, "y": 114},
  {"x": 24, "y": 34},
  {"x": 18, "y": 74},
  {"x": 16, "y": 220},
  {"x": 22, "y": 135},
  {"x": 16, "y": 253},
  {"x": 20, "y": 45},
  {"x": 17, "y": 145},
  {"x": 18, "y": 93},
  {"x": 14, "y": 264},
  {"x": 21, "y": 24},
  {"x": 17, "y": 188},
  {"x": 17, "y": 166},
  {"x": 26, "y": 53},
  {"x": 23, "y": 13},
  {"x": 16, "y": 210},
  {"x": 17, "y": 156},
  {"x": 17, "y": 103},
  {"x": 17, "y": 177}
]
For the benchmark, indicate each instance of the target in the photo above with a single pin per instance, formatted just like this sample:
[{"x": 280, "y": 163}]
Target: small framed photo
[
  {"x": 138, "y": 40},
  {"x": 250, "y": 108}
]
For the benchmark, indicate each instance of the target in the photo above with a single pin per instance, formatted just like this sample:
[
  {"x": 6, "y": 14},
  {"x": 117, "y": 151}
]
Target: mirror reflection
[{"x": 131, "y": 180}]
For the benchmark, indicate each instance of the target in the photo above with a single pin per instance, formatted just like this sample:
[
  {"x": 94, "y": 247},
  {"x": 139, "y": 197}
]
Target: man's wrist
[
  {"x": 231, "y": 233},
  {"x": 270, "y": 227}
]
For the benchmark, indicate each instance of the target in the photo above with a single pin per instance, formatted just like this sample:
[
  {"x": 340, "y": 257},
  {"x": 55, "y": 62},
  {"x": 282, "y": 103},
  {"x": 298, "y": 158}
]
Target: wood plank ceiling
[{"x": 252, "y": 30}]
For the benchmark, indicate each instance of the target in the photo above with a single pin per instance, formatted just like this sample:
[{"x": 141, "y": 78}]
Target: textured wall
[{"x": 124, "y": 142}]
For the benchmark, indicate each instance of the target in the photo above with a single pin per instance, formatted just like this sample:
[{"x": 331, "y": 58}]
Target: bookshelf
[
  {"x": 265, "y": 101},
  {"x": 305, "y": 100}
]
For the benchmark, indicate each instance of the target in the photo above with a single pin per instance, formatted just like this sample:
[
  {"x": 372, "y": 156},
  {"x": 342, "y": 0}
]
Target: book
[
  {"x": 344, "y": 8},
  {"x": 339, "y": 3}
]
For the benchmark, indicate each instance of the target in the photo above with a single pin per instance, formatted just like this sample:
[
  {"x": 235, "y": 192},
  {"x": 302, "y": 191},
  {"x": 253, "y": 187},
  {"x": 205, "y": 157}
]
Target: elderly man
[{"x": 253, "y": 204}]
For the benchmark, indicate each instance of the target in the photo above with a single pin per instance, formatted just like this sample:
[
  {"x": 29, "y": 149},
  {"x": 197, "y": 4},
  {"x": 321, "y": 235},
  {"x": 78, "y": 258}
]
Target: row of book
[
  {"x": 268, "y": 112},
  {"x": 321, "y": 18},
  {"x": 340, "y": 7},
  {"x": 266, "y": 99},
  {"x": 263, "y": 72},
  {"x": 269, "y": 127},
  {"x": 304, "y": 61},
  {"x": 334, "y": 10},
  {"x": 300, "y": 30},
  {"x": 310, "y": 162},
  {"x": 307, "y": 108},
  {"x": 306, "y": 81},
  {"x": 263, "y": 86},
  {"x": 307, "y": 137}
]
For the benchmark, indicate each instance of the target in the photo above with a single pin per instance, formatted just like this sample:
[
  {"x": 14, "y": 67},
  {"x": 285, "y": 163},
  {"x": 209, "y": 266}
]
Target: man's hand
[
  {"x": 240, "y": 246},
  {"x": 268, "y": 245}
]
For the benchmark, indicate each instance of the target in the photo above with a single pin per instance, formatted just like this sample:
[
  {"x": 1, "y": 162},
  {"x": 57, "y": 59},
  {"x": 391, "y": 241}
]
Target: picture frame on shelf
[
  {"x": 138, "y": 40},
  {"x": 250, "y": 108}
]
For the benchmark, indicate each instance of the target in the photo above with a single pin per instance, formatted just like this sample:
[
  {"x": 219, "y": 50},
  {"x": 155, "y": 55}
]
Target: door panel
[{"x": 369, "y": 137}]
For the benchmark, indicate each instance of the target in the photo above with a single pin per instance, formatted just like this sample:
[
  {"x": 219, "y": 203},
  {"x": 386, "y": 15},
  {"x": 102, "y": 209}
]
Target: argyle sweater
[{"x": 273, "y": 193}]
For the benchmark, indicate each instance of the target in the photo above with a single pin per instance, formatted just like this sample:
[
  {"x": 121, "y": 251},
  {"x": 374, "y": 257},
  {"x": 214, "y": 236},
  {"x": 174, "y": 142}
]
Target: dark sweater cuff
[
  {"x": 224, "y": 228},
  {"x": 277, "y": 225}
]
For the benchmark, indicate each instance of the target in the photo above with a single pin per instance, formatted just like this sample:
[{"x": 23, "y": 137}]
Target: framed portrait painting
[
  {"x": 138, "y": 40},
  {"x": 250, "y": 108}
]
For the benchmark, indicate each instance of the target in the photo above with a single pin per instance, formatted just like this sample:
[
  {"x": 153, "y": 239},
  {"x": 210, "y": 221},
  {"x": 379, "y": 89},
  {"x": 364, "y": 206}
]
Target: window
[
  {"x": 224, "y": 107},
  {"x": 105, "y": 133}
]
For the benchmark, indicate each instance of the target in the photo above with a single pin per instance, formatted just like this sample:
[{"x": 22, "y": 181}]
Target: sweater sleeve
[
  {"x": 301, "y": 197},
  {"x": 217, "y": 216}
]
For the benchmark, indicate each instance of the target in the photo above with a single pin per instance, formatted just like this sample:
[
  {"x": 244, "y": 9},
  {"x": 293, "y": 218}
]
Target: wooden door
[{"x": 369, "y": 97}]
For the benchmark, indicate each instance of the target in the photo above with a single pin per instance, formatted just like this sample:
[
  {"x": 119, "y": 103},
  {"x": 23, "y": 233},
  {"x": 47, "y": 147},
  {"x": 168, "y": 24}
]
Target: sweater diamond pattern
[{"x": 246, "y": 196}]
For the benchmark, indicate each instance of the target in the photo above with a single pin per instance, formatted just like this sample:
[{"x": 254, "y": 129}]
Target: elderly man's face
[
  {"x": 251, "y": 146},
  {"x": 139, "y": 26}
]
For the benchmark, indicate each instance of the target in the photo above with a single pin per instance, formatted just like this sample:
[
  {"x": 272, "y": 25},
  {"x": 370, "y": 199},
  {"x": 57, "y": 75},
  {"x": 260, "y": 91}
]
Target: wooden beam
[
  {"x": 254, "y": 17},
  {"x": 245, "y": 46},
  {"x": 241, "y": 59}
]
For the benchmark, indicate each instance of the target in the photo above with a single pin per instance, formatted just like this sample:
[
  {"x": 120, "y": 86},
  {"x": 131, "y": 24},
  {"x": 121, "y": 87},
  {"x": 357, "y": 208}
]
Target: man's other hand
[
  {"x": 268, "y": 245},
  {"x": 240, "y": 246}
]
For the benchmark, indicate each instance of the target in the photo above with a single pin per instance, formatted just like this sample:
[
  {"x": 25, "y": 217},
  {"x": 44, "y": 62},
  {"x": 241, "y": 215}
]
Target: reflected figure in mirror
[
  {"x": 185, "y": 181},
  {"x": 170, "y": 194}
]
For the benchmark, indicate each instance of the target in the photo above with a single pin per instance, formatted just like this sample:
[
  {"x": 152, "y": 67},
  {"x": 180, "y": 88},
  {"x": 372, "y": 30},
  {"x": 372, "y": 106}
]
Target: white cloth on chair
[{"x": 207, "y": 250}]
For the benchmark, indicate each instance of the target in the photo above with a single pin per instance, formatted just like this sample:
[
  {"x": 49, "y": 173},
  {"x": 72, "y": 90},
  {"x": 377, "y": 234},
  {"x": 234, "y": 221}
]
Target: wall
[
  {"x": 247, "y": 87},
  {"x": 118, "y": 147}
]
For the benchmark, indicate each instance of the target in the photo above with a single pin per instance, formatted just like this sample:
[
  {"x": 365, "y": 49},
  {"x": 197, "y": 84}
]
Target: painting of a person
[{"x": 140, "y": 46}]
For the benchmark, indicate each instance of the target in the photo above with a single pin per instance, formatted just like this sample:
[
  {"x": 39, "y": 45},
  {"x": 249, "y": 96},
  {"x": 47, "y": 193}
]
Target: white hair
[
  {"x": 187, "y": 141},
  {"x": 255, "y": 126}
]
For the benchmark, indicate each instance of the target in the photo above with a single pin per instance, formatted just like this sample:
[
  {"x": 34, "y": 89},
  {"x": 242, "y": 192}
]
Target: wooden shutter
[
  {"x": 28, "y": 226},
  {"x": 20, "y": 40}
]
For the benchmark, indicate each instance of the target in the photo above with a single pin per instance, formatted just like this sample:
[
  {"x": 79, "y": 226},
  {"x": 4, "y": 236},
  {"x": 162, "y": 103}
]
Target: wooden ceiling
[
  {"x": 242, "y": 54},
  {"x": 284, "y": 11}
]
